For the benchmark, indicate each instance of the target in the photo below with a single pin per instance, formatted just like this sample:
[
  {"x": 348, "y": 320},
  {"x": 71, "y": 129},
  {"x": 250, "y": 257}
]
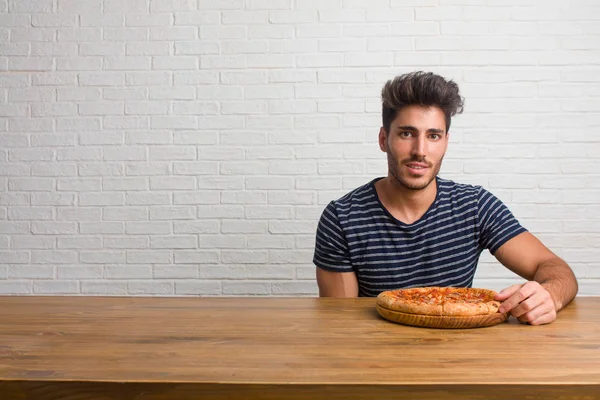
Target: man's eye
[
  {"x": 435, "y": 136},
  {"x": 405, "y": 134}
]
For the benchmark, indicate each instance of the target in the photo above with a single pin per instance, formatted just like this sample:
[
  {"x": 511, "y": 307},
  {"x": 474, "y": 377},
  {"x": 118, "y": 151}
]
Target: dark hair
[{"x": 420, "y": 88}]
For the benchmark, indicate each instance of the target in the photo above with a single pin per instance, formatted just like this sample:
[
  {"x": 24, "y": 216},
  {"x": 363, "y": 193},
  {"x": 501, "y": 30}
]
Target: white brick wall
[{"x": 187, "y": 147}]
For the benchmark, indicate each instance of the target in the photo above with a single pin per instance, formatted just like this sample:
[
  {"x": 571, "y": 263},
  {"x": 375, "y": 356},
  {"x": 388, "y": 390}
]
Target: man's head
[
  {"x": 423, "y": 89},
  {"x": 417, "y": 108}
]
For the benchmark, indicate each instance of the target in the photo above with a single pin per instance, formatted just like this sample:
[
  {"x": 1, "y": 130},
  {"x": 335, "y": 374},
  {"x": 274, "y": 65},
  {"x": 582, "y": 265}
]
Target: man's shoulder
[
  {"x": 358, "y": 196},
  {"x": 361, "y": 199},
  {"x": 454, "y": 191}
]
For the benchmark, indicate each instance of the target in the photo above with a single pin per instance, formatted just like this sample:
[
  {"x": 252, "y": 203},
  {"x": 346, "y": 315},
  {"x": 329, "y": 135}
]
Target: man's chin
[
  {"x": 416, "y": 188},
  {"x": 415, "y": 184}
]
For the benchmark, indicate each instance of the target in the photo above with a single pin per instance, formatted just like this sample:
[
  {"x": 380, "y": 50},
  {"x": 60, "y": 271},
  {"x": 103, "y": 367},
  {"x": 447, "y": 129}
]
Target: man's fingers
[
  {"x": 529, "y": 303},
  {"x": 541, "y": 319},
  {"x": 536, "y": 309},
  {"x": 525, "y": 291},
  {"x": 518, "y": 296},
  {"x": 506, "y": 293},
  {"x": 544, "y": 318},
  {"x": 532, "y": 308}
]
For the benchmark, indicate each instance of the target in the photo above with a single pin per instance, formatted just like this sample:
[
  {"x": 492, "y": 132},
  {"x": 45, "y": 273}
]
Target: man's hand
[{"x": 529, "y": 303}]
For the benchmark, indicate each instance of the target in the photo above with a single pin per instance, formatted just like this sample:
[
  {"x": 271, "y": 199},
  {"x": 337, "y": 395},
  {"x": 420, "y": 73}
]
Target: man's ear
[{"x": 383, "y": 139}]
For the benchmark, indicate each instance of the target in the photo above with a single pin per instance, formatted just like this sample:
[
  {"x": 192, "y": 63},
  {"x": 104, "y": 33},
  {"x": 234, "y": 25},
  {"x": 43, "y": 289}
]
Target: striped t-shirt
[{"x": 356, "y": 233}]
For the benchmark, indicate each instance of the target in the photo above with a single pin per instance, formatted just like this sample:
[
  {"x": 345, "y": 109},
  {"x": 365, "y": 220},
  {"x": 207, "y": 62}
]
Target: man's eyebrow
[
  {"x": 413, "y": 129},
  {"x": 435, "y": 130},
  {"x": 406, "y": 128}
]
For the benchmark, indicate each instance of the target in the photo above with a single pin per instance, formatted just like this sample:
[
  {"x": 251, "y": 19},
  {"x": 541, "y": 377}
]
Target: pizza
[
  {"x": 440, "y": 301},
  {"x": 443, "y": 307}
]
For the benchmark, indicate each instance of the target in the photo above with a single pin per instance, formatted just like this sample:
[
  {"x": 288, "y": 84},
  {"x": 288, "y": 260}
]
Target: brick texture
[{"x": 187, "y": 147}]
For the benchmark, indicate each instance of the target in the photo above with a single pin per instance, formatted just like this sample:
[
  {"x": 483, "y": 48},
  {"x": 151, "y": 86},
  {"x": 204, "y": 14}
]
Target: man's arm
[
  {"x": 337, "y": 284},
  {"x": 335, "y": 276},
  {"x": 551, "y": 283}
]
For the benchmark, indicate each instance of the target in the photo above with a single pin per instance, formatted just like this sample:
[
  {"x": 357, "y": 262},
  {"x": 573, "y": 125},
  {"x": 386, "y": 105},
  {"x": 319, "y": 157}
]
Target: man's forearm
[{"x": 558, "y": 279}]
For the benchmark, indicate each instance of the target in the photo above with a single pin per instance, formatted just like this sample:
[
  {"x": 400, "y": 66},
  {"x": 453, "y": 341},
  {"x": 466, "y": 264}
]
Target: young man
[{"x": 413, "y": 229}]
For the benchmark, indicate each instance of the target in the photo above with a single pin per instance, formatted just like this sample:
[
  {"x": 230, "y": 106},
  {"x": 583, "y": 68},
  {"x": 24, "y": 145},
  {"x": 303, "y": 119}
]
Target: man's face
[{"x": 415, "y": 146}]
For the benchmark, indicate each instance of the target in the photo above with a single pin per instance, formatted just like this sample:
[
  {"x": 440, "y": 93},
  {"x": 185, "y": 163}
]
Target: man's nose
[{"x": 419, "y": 147}]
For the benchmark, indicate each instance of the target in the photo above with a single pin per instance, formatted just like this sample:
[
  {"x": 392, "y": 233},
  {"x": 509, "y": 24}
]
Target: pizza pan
[{"x": 447, "y": 322}]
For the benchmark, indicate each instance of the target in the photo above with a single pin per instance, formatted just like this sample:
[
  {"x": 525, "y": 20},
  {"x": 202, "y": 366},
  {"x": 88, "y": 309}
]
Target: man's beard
[{"x": 393, "y": 166}]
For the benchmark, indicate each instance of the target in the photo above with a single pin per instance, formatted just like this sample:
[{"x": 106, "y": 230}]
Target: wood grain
[
  {"x": 191, "y": 391},
  {"x": 96, "y": 348}
]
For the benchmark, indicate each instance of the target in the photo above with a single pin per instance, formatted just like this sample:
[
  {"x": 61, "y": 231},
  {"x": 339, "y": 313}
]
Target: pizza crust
[
  {"x": 494, "y": 305},
  {"x": 392, "y": 301},
  {"x": 465, "y": 309}
]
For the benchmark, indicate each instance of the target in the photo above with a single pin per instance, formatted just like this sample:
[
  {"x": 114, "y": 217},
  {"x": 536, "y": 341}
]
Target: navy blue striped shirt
[{"x": 356, "y": 233}]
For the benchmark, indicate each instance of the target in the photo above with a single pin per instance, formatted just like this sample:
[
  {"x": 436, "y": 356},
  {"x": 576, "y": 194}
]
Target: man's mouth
[
  {"x": 417, "y": 165},
  {"x": 417, "y": 168}
]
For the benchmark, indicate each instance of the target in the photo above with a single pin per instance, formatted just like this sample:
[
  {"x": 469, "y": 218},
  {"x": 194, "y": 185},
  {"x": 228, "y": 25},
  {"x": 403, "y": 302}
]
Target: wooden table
[{"x": 290, "y": 348}]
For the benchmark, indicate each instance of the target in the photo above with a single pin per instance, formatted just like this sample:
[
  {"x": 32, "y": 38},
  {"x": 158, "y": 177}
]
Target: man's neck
[{"x": 404, "y": 204}]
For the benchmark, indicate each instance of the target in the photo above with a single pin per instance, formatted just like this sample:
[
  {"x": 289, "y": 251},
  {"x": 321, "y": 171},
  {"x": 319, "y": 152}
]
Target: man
[{"x": 414, "y": 229}]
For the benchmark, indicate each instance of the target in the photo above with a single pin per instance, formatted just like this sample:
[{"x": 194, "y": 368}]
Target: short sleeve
[
  {"x": 331, "y": 248},
  {"x": 497, "y": 225}
]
